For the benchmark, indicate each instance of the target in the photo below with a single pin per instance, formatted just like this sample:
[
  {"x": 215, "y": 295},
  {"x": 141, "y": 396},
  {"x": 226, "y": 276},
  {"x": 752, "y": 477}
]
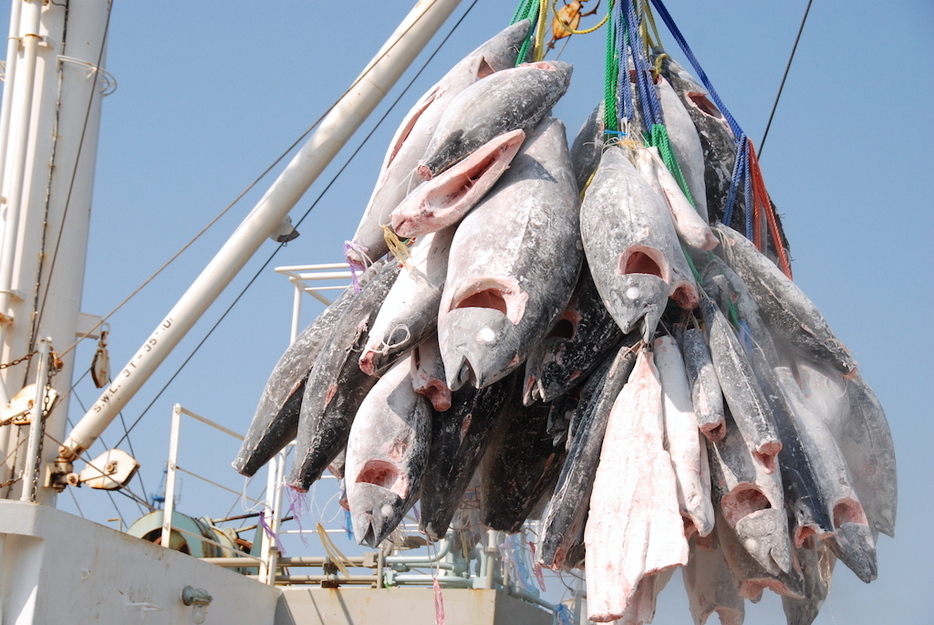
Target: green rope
[
  {"x": 659, "y": 139},
  {"x": 610, "y": 111},
  {"x": 527, "y": 9}
]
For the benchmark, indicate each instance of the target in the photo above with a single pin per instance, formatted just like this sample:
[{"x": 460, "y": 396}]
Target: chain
[{"x": 18, "y": 360}]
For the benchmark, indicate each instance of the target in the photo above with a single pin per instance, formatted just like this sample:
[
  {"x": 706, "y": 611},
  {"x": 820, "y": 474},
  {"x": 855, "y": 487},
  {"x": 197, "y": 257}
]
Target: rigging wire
[
  {"x": 299, "y": 222},
  {"x": 784, "y": 77}
]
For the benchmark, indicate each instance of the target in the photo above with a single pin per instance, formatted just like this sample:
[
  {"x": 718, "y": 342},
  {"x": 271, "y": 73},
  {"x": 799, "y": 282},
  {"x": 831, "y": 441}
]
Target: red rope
[{"x": 763, "y": 203}]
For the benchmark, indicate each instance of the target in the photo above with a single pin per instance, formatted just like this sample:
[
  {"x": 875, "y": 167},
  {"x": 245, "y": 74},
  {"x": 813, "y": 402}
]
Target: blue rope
[
  {"x": 739, "y": 169},
  {"x": 673, "y": 28},
  {"x": 750, "y": 201},
  {"x": 648, "y": 98}
]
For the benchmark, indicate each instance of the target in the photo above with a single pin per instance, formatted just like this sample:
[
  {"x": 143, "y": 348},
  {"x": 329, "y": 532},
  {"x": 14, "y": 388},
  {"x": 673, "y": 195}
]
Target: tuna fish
[
  {"x": 513, "y": 264},
  {"x": 634, "y": 528},
  {"x": 410, "y": 310},
  {"x": 716, "y": 138},
  {"x": 583, "y": 336},
  {"x": 852, "y": 413},
  {"x": 853, "y": 541},
  {"x": 683, "y": 440},
  {"x": 397, "y": 176},
  {"x": 445, "y": 199},
  {"x": 750, "y": 500},
  {"x": 564, "y": 519},
  {"x": 706, "y": 395},
  {"x": 783, "y": 305},
  {"x": 275, "y": 422},
  {"x": 710, "y": 585},
  {"x": 691, "y": 227},
  {"x": 588, "y": 146},
  {"x": 685, "y": 144},
  {"x": 386, "y": 455},
  {"x": 521, "y": 466},
  {"x": 631, "y": 246},
  {"x": 336, "y": 385},
  {"x": 459, "y": 438},
  {"x": 816, "y": 563},
  {"x": 428, "y": 373},
  {"x": 741, "y": 388},
  {"x": 513, "y": 99}
]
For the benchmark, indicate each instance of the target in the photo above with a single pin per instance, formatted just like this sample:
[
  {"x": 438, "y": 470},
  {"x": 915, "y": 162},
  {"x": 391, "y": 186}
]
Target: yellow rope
[
  {"x": 399, "y": 249},
  {"x": 540, "y": 27},
  {"x": 333, "y": 552}
]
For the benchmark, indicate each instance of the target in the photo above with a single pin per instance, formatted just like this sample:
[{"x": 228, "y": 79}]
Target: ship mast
[{"x": 48, "y": 151}]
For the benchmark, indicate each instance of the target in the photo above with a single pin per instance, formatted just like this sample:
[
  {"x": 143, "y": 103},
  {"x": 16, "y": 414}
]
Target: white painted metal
[
  {"x": 49, "y": 171},
  {"x": 36, "y": 425},
  {"x": 346, "y": 116},
  {"x": 168, "y": 506},
  {"x": 12, "y": 57}
]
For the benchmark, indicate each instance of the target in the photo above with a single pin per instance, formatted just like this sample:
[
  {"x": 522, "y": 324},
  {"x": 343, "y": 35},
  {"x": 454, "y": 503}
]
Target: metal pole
[
  {"x": 335, "y": 130},
  {"x": 168, "y": 507},
  {"x": 36, "y": 430}
]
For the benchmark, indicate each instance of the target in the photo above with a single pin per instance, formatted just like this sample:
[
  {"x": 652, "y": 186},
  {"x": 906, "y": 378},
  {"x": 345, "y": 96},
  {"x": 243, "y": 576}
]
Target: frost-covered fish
[
  {"x": 816, "y": 562},
  {"x": 410, "y": 311},
  {"x": 397, "y": 176},
  {"x": 691, "y": 227},
  {"x": 740, "y": 387},
  {"x": 564, "y": 519},
  {"x": 683, "y": 439},
  {"x": 783, "y": 305},
  {"x": 583, "y": 336},
  {"x": 522, "y": 465},
  {"x": 750, "y": 500},
  {"x": 513, "y": 99},
  {"x": 445, "y": 199},
  {"x": 631, "y": 246},
  {"x": 459, "y": 438},
  {"x": 386, "y": 455},
  {"x": 336, "y": 385},
  {"x": 853, "y": 540},
  {"x": 513, "y": 264},
  {"x": 685, "y": 144},
  {"x": 275, "y": 422},
  {"x": 705, "y": 387},
  {"x": 428, "y": 373},
  {"x": 634, "y": 528},
  {"x": 710, "y": 585}
]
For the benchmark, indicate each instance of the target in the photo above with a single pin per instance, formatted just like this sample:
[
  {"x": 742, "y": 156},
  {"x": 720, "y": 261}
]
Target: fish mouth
[
  {"x": 498, "y": 294},
  {"x": 374, "y": 512},
  {"x": 451, "y": 194}
]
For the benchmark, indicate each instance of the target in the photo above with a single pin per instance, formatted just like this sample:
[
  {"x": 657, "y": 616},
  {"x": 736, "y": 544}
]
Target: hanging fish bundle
[{"x": 636, "y": 368}]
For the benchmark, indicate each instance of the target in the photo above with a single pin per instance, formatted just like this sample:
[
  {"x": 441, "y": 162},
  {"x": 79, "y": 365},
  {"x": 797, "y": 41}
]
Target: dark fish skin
[
  {"x": 782, "y": 304},
  {"x": 510, "y": 99},
  {"x": 580, "y": 339},
  {"x": 566, "y": 515},
  {"x": 740, "y": 387},
  {"x": 705, "y": 387},
  {"x": 336, "y": 385},
  {"x": 816, "y": 563},
  {"x": 459, "y": 438},
  {"x": 275, "y": 422},
  {"x": 521, "y": 465},
  {"x": 804, "y": 498},
  {"x": 588, "y": 146}
]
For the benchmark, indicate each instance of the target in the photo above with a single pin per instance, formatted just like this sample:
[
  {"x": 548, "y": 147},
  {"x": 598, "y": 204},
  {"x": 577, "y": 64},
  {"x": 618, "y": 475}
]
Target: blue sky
[{"x": 210, "y": 93}]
